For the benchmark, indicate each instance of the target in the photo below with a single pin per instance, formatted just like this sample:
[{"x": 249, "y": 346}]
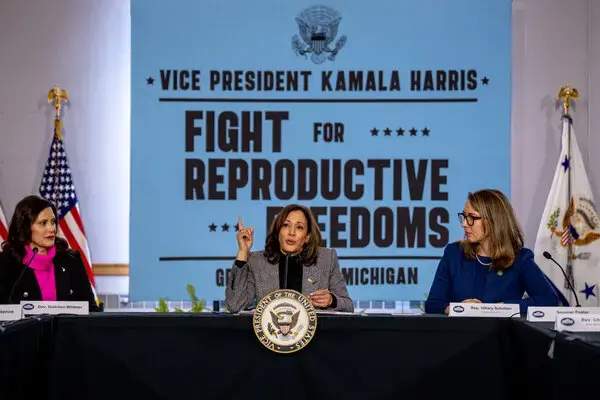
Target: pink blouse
[{"x": 44, "y": 271}]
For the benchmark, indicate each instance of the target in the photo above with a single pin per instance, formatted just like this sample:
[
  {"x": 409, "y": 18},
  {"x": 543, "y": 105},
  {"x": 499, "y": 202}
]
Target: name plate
[
  {"x": 548, "y": 314},
  {"x": 484, "y": 310},
  {"x": 10, "y": 312},
  {"x": 55, "y": 307},
  {"x": 578, "y": 323}
]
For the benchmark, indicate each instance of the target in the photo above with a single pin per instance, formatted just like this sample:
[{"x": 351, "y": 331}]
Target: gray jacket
[{"x": 257, "y": 278}]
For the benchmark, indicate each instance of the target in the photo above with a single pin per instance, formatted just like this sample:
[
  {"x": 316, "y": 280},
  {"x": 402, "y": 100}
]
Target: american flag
[
  {"x": 57, "y": 186},
  {"x": 3, "y": 227}
]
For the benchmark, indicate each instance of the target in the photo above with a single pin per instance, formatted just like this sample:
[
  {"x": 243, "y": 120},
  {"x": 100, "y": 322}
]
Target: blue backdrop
[{"x": 380, "y": 116}]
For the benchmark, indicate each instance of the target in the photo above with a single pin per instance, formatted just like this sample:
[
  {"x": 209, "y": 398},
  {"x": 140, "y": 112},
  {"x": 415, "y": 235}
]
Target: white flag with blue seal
[{"x": 570, "y": 226}]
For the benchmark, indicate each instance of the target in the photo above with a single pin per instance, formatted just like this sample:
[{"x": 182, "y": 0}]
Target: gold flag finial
[
  {"x": 55, "y": 95},
  {"x": 566, "y": 93}
]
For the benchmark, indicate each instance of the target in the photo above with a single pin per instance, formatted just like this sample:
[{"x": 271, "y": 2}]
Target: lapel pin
[
  {"x": 500, "y": 272},
  {"x": 63, "y": 269}
]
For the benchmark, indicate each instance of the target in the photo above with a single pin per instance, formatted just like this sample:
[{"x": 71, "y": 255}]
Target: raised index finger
[{"x": 240, "y": 222}]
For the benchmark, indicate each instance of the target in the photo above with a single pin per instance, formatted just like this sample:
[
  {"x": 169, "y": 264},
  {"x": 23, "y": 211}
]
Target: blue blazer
[{"x": 458, "y": 278}]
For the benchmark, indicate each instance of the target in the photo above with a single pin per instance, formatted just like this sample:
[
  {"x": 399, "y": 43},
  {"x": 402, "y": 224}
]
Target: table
[
  {"x": 23, "y": 356},
  {"x": 554, "y": 365},
  {"x": 179, "y": 355}
]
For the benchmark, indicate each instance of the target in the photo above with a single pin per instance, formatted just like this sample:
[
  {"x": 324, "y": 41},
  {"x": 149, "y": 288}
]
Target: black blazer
[{"x": 72, "y": 282}]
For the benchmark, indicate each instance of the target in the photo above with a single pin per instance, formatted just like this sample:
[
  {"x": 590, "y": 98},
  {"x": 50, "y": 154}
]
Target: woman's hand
[
  {"x": 321, "y": 298},
  {"x": 245, "y": 239}
]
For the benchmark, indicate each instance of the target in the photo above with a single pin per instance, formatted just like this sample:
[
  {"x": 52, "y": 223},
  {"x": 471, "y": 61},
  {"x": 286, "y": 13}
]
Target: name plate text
[
  {"x": 484, "y": 310},
  {"x": 10, "y": 312},
  {"x": 55, "y": 307},
  {"x": 548, "y": 314},
  {"x": 578, "y": 323}
]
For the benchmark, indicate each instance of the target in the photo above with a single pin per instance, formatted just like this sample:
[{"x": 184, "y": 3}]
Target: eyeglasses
[{"x": 470, "y": 219}]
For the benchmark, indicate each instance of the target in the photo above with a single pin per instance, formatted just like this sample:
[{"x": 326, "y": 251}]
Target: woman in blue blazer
[{"x": 491, "y": 264}]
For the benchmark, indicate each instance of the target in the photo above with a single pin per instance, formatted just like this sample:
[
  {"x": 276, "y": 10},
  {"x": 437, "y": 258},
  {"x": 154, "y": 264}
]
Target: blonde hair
[{"x": 500, "y": 226}]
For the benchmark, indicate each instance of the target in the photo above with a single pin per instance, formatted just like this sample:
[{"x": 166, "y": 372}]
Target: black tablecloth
[
  {"x": 532, "y": 346},
  {"x": 157, "y": 356},
  {"x": 23, "y": 357},
  {"x": 555, "y": 365},
  {"x": 180, "y": 356},
  {"x": 577, "y": 364}
]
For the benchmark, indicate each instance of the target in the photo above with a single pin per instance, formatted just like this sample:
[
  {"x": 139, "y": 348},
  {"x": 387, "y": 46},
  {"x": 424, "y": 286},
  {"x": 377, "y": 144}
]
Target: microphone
[
  {"x": 35, "y": 251},
  {"x": 549, "y": 257}
]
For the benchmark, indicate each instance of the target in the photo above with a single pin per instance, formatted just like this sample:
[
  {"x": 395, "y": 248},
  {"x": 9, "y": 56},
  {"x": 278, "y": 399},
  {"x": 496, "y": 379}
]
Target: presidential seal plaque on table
[{"x": 285, "y": 321}]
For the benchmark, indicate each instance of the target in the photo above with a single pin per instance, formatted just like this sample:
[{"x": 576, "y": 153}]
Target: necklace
[{"x": 482, "y": 263}]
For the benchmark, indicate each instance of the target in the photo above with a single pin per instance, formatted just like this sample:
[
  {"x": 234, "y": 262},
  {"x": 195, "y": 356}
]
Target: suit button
[
  {"x": 71, "y": 291},
  {"x": 25, "y": 294}
]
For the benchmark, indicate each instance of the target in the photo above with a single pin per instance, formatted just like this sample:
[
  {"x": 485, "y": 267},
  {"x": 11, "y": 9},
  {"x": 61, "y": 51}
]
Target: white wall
[
  {"x": 84, "y": 46},
  {"x": 552, "y": 46},
  {"x": 593, "y": 92}
]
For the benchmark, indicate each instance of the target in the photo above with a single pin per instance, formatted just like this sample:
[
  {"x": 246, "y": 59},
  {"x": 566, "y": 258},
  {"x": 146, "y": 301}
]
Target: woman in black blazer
[{"x": 37, "y": 265}]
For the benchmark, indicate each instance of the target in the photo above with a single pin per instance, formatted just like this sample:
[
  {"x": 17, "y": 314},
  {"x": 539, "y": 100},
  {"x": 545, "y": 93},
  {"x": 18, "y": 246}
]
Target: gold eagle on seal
[
  {"x": 580, "y": 223},
  {"x": 284, "y": 318}
]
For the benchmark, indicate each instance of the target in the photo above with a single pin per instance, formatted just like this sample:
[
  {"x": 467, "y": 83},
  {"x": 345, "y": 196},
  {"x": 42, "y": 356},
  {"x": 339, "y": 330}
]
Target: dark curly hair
[
  {"x": 310, "y": 251},
  {"x": 19, "y": 230}
]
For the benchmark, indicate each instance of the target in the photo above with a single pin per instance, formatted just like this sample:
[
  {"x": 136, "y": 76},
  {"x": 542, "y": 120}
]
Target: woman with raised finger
[{"x": 292, "y": 259}]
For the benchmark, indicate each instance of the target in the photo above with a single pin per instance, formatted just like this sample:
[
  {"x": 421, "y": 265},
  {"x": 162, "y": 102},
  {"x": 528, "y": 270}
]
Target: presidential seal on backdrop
[
  {"x": 285, "y": 321},
  {"x": 318, "y": 26}
]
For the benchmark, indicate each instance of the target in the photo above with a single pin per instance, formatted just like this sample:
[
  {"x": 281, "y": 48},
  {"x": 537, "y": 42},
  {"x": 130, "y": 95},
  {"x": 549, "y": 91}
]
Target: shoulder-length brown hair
[
  {"x": 310, "y": 250},
  {"x": 500, "y": 225},
  {"x": 23, "y": 218}
]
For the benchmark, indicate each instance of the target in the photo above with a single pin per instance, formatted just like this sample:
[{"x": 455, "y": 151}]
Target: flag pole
[
  {"x": 61, "y": 184},
  {"x": 56, "y": 95},
  {"x": 566, "y": 94}
]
